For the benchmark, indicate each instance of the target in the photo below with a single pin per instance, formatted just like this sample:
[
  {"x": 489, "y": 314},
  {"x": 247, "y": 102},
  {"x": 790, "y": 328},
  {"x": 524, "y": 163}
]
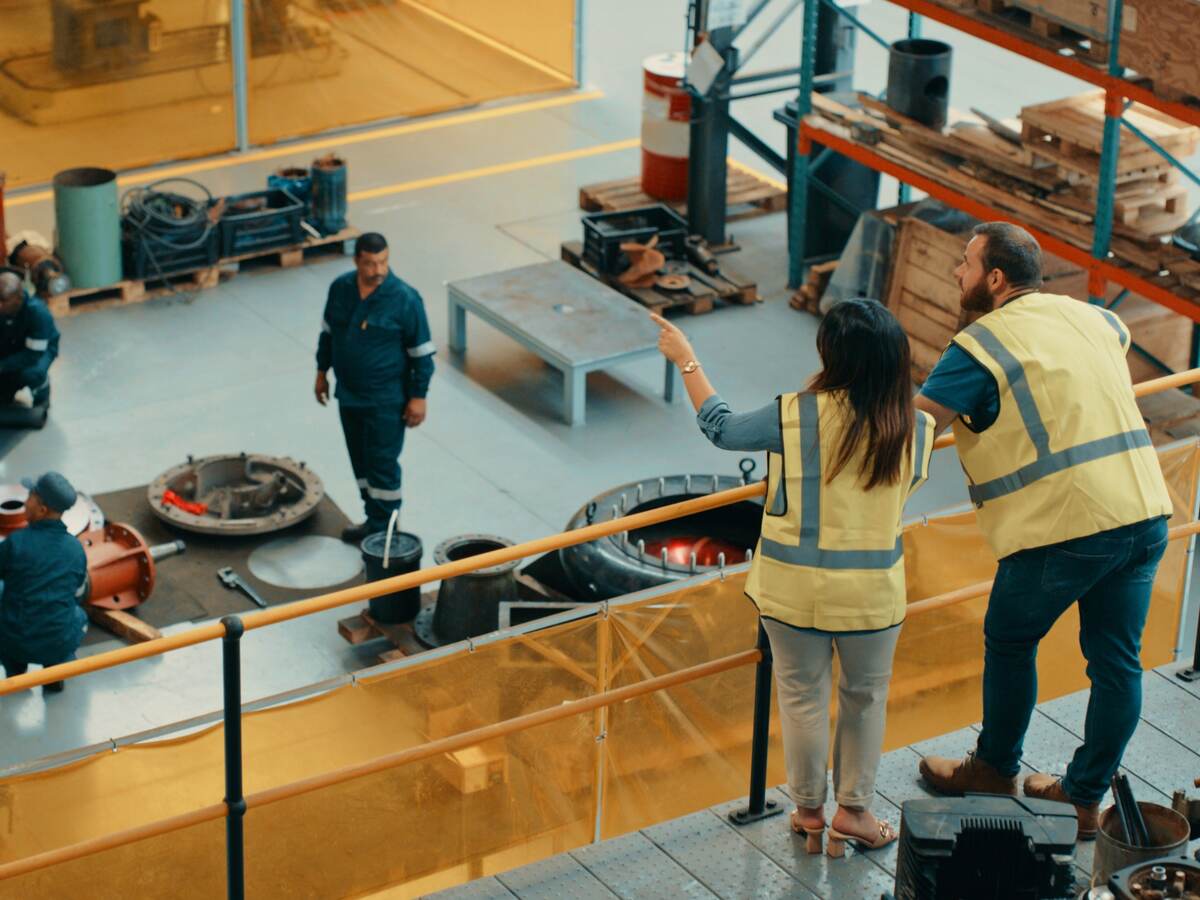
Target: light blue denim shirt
[{"x": 757, "y": 430}]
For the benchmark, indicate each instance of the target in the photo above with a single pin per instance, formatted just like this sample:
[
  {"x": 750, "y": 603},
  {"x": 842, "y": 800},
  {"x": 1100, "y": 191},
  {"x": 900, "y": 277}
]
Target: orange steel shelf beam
[
  {"x": 859, "y": 153},
  {"x": 1069, "y": 65}
]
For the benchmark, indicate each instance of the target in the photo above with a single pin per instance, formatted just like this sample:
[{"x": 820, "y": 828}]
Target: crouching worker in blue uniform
[
  {"x": 44, "y": 573},
  {"x": 28, "y": 345},
  {"x": 376, "y": 339}
]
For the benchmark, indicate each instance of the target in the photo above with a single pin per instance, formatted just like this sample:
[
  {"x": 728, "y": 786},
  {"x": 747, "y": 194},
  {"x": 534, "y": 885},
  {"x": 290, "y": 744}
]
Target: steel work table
[{"x": 565, "y": 316}]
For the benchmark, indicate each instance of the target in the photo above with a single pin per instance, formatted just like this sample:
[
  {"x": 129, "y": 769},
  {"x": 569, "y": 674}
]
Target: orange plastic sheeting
[
  {"x": 158, "y": 87},
  {"x": 442, "y": 821},
  {"x": 334, "y": 63}
]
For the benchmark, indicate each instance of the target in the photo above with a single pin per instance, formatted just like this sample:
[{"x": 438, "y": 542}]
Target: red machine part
[
  {"x": 12, "y": 516},
  {"x": 707, "y": 550},
  {"x": 120, "y": 566}
]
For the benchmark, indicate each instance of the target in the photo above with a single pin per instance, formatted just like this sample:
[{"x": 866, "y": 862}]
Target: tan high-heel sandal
[
  {"x": 814, "y": 837},
  {"x": 837, "y": 840}
]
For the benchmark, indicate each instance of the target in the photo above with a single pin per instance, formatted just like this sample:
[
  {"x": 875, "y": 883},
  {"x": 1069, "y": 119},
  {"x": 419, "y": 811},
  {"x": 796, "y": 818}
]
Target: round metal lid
[
  {"x": 403, "y": 546},
  {"x": 305, "y": 562}
]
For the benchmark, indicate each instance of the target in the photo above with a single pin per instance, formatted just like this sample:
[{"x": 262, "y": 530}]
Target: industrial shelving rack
[{"x": 1119, "y": 91}]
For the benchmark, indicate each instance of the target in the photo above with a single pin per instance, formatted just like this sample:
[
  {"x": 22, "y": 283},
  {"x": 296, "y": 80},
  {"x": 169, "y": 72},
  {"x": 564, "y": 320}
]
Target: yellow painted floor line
[
  {"x": 333, "y": 142},
  {"x": 482, "y": 38},
  {"x": 499, "y": 169},
  {"x": 741, "y": 167}
]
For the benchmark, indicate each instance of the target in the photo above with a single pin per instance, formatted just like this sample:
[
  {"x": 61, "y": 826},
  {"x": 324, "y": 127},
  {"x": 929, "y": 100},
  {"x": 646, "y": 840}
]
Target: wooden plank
[
  {"x": 123, "y": 624},
  {"x": 1087, "y": 17},
  {"x": 746, "y": 195},
  {"x": 356, "y": 629}
]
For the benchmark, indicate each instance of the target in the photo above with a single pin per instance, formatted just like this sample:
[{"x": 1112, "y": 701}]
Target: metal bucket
[
  {"x": 1168, "y": 830},
  {"x": 918, "y": 84},
  {"x": 329, "y": 194},
  {"x": 88, "y": 224},
  {"x": 384, "y": 559}
]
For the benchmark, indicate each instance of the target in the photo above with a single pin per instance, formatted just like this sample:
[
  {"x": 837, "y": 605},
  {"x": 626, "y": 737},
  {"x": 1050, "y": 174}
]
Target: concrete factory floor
[
  {"x": 703, "y": 855},
  {"x": 232, "y": 368}
]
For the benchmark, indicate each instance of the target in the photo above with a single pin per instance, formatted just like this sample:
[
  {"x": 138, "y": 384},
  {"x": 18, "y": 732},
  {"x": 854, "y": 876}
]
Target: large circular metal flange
[
  {"x": 617, "y": 564},
  {"x": 220, "y": 494},
  {"x": 467, "y": 545}
]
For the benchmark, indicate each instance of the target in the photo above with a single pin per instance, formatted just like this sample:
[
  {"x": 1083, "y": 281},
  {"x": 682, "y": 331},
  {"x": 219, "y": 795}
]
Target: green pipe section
[{"x": 88, "y": 226}]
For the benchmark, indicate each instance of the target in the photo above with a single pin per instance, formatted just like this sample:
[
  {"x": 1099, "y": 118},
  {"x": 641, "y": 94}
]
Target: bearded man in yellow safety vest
[{"x": 1069, "y": 494}]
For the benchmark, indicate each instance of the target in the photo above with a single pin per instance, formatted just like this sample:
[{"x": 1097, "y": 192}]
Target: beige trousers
[{"x": 803, "y": 676}]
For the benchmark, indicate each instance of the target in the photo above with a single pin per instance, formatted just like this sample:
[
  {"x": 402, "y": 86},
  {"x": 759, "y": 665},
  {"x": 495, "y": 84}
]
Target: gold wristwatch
[{"x": 689, "y": 367}]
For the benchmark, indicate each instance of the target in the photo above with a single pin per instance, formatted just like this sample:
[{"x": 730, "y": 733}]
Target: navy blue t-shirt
[{"x": 961, "y": 383}]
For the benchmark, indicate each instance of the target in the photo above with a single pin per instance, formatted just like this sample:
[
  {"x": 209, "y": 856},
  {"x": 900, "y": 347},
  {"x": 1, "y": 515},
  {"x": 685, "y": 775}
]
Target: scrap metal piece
[
  {"x": 239, "y": 493},
  {"x": 673, "y": 282}
]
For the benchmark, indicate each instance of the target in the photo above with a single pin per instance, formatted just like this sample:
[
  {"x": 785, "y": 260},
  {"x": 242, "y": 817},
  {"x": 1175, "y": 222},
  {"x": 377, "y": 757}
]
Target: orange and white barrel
[{"x": 666, "y": 109}]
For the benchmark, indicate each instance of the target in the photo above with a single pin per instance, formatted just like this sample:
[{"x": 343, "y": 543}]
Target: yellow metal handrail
[{"x": 214, "y": 630}]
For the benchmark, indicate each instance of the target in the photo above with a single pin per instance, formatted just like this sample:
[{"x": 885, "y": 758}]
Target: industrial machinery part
[
  {"x": 670, "y": 551},
  {"x": 232, "y": 581},
  {"x": 467, "y": 605},
  {"x": 85, "y": 515},
  {"x": 30, "y": 253},
  {"x": 985, "y": 847},
  {"x": 236, "y": 493},
  {"x": 103, "y": 34},
  {"x": 918, "y": 84},
  {"x": 121, "y": 565},
  {"x": 1155, "y": 879}
]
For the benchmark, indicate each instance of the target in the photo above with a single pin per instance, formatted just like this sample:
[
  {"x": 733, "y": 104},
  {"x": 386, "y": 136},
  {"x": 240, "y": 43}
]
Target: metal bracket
[{"x": 745, "y": 817}]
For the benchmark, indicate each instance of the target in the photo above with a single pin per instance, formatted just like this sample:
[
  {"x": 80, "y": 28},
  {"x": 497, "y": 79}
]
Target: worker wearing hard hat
[
  {"x": 1069, "y": 494},
  {"x": 43, "y": 571}
]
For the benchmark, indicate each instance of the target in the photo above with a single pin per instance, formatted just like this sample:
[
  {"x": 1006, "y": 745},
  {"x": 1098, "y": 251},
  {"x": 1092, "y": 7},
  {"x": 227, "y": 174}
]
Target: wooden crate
[
  {"x": 1070, "y": 133},
  {"x": 747, "y": 194},
  {"x": 700, "y": 296},
  {"x": 921, "y": 290},
  {"x": 1085, "y": 17},
  {"x": 1161, "y": 40}
]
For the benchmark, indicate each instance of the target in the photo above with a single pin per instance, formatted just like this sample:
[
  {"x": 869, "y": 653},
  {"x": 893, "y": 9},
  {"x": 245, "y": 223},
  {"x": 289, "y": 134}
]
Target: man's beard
[{"x": 976, "y": 302}]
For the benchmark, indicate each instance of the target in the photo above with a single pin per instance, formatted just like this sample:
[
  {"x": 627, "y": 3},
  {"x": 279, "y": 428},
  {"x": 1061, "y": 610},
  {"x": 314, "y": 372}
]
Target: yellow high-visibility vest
[
  {"x": 830, "y": 554},
  {"x": 1068, "y": 455}
]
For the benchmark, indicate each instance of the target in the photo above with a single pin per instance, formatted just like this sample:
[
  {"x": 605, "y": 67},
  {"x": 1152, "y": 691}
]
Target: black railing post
[
  {"x": 1193, "y": 673},
  {"x": 231, "y": 654},
  {"x": 760, "y": 807}
]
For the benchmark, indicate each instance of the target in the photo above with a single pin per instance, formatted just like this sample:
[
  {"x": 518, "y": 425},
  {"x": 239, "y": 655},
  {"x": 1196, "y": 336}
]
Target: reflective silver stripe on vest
[
  {"x": 1056, "y": 462},
  {"x": 809, "y": 553},
  {"x": 1019, "y": 386},
  {"x": 1111, "y": 318},
  {"x": 779, "y": 501},
  {"x": 919, "y": 458}
]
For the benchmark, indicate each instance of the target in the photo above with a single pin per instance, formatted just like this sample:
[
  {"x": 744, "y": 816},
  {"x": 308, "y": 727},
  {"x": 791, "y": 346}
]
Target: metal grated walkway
[{"x": 702, "y": 855}]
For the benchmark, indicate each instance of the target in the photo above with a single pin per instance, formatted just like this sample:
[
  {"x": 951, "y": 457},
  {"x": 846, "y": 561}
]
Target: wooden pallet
[
  {"x": 359, "y": 629},
  {"x": 1039, "y": 24},
  {"x": 123, "y": 624},
  {"x": 746, "y": 195},
  {"x": 700, "y": 297},
  {"x": 1070, "y": 133},
  {"x": 136, "y": 290}
]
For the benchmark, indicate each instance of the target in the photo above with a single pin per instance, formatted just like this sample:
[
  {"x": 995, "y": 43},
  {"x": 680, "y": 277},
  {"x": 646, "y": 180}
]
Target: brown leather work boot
[
  {"x": 969, "y": 775},
  {"x": 1049, "y": 787}
]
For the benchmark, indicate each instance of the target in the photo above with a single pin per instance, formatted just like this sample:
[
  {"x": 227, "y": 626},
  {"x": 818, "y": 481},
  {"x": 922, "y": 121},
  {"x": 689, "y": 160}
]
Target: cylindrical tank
[
  {"x": 329, "y": 194},
  {"x": 469, "y": 605},
  {"x": 918, "y": 84},
  {"x": 120, "y": 566},
  {"x": 666, "y": 109},
  {"x": 1168, "y": 831},
  {"x": 88, "y": 226},
  {"x": 403, "y": 556}
]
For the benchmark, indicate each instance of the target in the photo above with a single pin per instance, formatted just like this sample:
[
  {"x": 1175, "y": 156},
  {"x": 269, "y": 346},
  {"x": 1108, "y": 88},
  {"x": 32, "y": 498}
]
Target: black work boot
[{"x": 354, "y": 534}]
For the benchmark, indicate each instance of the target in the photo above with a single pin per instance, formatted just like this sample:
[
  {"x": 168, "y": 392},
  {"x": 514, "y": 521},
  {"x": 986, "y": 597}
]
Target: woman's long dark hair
[{"x": 865, "y": 353}]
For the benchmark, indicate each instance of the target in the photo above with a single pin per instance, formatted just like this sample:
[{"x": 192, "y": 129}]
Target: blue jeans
[{"x": 1110, "y": 574}]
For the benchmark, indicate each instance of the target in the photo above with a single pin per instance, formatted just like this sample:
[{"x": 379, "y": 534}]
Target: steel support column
[
  {"x": 709, "y": 138},
  {"x": 240, "y": 51},
  {"x": 798, "y": 195}
]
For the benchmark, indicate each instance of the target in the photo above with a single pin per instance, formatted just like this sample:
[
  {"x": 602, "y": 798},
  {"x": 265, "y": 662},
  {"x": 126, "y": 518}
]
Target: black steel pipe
[
  {"x": 759, "y": 806},
  {"x": 231, "y": 657}
]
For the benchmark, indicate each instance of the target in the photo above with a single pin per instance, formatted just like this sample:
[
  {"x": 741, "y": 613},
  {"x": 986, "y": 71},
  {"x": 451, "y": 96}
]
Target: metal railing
[{"x": 231, "y": 629}]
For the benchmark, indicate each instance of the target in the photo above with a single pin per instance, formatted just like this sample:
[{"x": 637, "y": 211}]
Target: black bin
[
  {"x": 404, "y": 555},
  {"x": 918, "y": 84}
]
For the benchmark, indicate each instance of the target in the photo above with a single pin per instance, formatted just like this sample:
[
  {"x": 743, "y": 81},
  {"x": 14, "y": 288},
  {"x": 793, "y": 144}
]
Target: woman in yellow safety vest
[{"x": 828, "y": 572}]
